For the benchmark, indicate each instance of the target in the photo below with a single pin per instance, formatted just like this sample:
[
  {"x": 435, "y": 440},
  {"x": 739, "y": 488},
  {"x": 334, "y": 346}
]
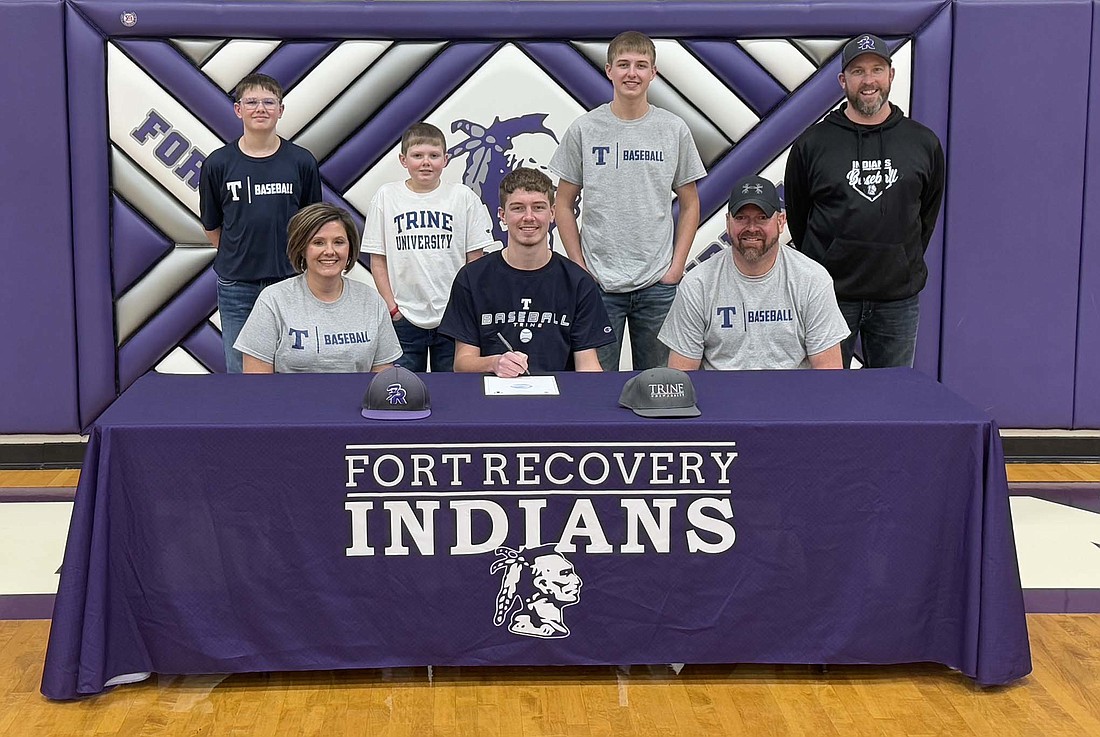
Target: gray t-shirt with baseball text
[
  {"x": 627, "y": 170},
  {"x": 298, "y": 333},
  {"x": 736, "y": 322}
]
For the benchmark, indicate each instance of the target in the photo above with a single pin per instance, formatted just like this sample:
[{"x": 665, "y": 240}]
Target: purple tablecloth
[{"x": 242, "y": 523}]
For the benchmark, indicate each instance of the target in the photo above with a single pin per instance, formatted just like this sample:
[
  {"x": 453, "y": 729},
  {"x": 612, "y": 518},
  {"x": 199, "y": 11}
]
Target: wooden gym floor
[{"x": 1060, "y": 697}]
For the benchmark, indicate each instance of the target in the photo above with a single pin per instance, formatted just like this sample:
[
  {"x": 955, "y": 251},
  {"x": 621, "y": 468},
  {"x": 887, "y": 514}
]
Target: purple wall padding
[
  {"x": 752, "y": 153},
  {"x": 587, "y": 83},
  {"x": 205, "y": 344},
  {"x": 505, "y": 20},
  {"x": 732, "y": 64},
  {"x": 167, "y": 328},
  {"x": 38, "y": 370},
  {"x": 932, "y": 63},
  {"x": 292, "y": 61},
  {"x": 331, "y": 196},
  {"x": 413, "y": 102},
  {"x": 1086, "y": 405},
  {"x": 91, "y": 256},
  {"x": 135, "y": 245},
  {"x": 1014, "y": 188},
  {"x": 193, "y": 88}
]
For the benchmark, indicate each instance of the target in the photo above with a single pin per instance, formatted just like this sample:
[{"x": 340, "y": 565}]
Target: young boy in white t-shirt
[{"x": 419, "y": 232}]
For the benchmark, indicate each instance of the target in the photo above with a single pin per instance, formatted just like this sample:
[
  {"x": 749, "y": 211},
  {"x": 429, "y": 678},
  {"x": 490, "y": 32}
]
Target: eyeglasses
[{"x": 269, "y": 103}]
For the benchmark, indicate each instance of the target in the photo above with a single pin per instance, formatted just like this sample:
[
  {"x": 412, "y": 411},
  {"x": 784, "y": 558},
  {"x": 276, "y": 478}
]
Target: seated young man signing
[{"x": 526, "y": 308}]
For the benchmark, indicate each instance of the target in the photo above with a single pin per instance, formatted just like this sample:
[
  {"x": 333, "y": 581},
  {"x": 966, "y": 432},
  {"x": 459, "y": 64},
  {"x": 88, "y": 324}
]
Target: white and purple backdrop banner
[{"x": 113, "y": 106}]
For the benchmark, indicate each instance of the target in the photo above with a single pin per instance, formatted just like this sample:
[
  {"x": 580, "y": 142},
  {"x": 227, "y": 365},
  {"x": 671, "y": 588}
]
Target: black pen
[{"x": 508, "y": 345}]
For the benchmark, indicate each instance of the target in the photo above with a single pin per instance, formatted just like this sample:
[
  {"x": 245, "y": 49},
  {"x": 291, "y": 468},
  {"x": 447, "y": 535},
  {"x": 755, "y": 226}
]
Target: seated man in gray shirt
[{"x": 763, "y": 306}]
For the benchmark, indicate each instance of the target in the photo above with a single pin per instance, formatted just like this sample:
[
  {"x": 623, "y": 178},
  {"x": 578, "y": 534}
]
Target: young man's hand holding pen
[{"x": 511, "y": 364}]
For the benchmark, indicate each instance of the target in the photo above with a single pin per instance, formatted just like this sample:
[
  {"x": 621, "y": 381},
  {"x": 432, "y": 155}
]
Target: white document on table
[{"x": 521, "y": 386}]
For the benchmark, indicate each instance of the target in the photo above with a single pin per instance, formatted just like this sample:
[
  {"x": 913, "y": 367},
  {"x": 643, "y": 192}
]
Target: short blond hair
[{"x": 631, "y": 42}]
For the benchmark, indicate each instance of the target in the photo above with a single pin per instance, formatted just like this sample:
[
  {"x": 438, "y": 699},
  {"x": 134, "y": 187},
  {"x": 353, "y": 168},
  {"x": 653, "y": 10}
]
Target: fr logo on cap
[
  {"x": 660, "y": 392},
  {"x": 396, "y": 394},
  {"x": 865, "y": 44}
]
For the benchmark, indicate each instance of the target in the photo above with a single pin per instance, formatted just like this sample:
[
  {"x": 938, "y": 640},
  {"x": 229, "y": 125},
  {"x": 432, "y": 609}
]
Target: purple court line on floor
[
  {"x": 1081, "y": 494},
  {"x": 36, "y": 494},
  {"x": 26, "y": 606},
  {"x": 1062, "y": 601}
]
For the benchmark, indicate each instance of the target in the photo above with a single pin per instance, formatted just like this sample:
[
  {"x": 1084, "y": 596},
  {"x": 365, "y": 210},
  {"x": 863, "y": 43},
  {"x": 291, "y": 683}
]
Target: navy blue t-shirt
[
  {"x": 549, "y": 313},
  {"x": 252, "y": 201}
]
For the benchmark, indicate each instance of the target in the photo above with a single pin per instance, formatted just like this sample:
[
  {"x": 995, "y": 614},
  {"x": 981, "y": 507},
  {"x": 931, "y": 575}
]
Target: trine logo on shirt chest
[{"x": 606, "y": 155}]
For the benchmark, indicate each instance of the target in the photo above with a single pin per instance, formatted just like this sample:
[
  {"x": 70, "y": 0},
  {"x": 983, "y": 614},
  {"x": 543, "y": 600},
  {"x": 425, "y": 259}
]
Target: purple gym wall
[
  {"x": 38, "y": 367},
  {"x": 1014, "y": 211},
  {"x": 1015, "y": 358},
  {"x": 1086, "y": 410}
]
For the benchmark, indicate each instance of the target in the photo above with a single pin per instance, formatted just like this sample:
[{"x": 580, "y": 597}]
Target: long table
[{"x": 257, "y": 523}]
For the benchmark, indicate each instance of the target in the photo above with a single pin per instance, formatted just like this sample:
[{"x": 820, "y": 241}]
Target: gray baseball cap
[
  {"x": 660, "y": 392},
  {"x": 757, "y": 191}
]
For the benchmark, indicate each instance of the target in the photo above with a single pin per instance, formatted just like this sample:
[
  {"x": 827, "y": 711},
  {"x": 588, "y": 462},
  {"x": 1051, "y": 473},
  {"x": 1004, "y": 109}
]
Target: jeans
[
  {"x": 887, "y": 331},
  {"x": 235, "y": 301},
  {"x": 645, "y": 311},
  {"x": 416, "y": 341}
]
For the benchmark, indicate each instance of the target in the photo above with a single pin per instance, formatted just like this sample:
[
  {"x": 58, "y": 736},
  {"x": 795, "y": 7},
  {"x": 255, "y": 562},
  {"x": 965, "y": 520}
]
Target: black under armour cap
[
  {"x": 396, "y": 394},
  {"x": 865, "y": 44},
  {"x": 755, "y": 191},
  {"x": 660, "y": 392}
]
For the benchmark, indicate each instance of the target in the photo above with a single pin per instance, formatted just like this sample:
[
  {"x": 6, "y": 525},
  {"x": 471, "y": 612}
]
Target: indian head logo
[
  {"x": 537, "y": 585},
  {"x": 490, "y": 156}
]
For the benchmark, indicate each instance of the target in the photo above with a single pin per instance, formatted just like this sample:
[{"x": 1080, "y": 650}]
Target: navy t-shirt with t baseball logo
[
  {"x": 252, "y": 200},
  {"x": 549, "y": 313}
]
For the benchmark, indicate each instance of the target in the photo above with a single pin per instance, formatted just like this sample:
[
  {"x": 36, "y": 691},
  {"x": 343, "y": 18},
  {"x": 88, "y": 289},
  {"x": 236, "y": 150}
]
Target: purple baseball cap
[{"x": 396, "y": 394}]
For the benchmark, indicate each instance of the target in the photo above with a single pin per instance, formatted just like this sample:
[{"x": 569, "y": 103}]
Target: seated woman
[{"x": 319, "y": 321}]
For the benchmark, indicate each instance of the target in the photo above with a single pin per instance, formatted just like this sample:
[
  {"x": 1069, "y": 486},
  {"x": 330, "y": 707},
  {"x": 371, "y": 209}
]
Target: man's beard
[
  {"x": 869, "y": 109},
  {"x": 754, "y": 254}
]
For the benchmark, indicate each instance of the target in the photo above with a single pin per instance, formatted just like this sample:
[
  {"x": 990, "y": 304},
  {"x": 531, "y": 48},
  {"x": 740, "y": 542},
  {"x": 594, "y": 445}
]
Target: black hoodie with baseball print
[{"x": 863, "y": 200}]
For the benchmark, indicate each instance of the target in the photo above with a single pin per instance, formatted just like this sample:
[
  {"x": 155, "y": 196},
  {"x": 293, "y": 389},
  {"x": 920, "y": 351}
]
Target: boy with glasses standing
[{"x": 248, "y": 191}]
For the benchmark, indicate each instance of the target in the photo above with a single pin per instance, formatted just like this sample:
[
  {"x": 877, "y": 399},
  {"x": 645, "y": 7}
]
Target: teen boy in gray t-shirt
[{"x": 629, "y": 157}]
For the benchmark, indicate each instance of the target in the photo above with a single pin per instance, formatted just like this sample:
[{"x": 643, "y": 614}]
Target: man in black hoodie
[{"x": 863, "y": 189}]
